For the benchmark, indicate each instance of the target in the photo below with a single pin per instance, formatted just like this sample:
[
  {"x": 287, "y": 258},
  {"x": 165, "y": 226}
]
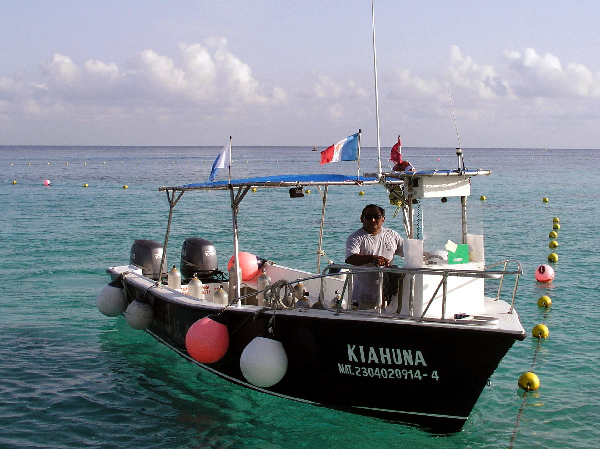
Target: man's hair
[{"x": 369, "y": 206}]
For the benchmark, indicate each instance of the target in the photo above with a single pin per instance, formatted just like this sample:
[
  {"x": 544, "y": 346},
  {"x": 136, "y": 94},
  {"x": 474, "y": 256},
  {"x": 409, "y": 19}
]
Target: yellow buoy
[
  {"x": 553, "y": 234},
  {"x": 529, "y": 381},
  {"x": 553, "y": 244},
  {"x": 544, "y": 200},
  {"x": 14, "y": 182},
  {"x": 361, "y": 193},
  {"x": 125, "y": 186},
  {"x": 483, "y": 198},
  {"x": 556, "y": 220},
  {"x": 556, "y": 226},
  {"x": 254, "y": 189},
  {"x": 544, "y": 301},
  {"x": 540, "y": 331},
  {"x": 307, "y": 191},
  {"x": 552, "y": 257},
  {"x": 85, "y": 185}
]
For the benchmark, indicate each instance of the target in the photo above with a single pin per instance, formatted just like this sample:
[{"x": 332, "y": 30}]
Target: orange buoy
[{"x": 207, "y": 340}]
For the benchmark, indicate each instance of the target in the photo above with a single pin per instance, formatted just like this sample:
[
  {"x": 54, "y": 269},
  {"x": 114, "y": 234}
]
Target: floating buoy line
[{"x": 529, "y": 381}]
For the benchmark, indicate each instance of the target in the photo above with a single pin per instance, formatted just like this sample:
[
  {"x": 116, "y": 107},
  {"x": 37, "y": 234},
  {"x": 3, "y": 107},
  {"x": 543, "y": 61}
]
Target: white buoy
[
  {"x": 139, "y": 314},
  {"x": 264, "y": 362},
  {"x": 111, "y": 300}
]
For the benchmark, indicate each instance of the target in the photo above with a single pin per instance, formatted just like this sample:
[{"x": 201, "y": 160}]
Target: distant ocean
[{"x": 73, "y": 378}]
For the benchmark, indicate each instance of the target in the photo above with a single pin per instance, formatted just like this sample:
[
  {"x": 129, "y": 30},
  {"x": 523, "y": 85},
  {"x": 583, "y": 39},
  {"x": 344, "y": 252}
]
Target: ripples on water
[{"x": 72, "y": 378}]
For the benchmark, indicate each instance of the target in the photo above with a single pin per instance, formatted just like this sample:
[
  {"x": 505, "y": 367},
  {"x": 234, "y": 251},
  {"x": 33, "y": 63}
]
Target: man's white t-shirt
[{"x": 387, "y": 244}]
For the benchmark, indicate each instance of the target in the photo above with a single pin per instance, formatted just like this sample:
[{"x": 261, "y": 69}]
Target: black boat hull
[{"x": 428, "y": 374}]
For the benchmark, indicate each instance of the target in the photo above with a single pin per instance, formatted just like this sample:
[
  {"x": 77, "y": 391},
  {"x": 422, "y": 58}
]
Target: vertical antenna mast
[
  {"x": 459, "y": 152},
  {"x": 376, "y": 92}
]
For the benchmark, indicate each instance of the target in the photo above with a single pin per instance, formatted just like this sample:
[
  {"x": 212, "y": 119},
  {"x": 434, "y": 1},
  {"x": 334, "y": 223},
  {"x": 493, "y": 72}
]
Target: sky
[{"x": 511, "y": 74}]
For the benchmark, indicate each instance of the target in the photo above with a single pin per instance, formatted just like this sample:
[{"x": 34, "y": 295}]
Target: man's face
[{"x": 372, "y": 220}]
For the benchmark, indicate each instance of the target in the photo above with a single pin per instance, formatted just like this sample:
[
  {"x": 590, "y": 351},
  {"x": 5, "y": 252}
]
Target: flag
[
  {"x": 223, "y": 160},
  {"x": 396, "y": 154},
  {"x": 344, "y": 150}
]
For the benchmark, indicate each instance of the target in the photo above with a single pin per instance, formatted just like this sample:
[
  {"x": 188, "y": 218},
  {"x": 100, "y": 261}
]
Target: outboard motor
[
  {"x": 147, "y": 255},
  {"x": 198, "y": 256}
]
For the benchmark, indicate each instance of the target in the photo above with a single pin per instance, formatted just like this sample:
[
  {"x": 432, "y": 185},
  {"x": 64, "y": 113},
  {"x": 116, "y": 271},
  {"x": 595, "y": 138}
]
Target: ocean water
[{"x": 73, "y": 378}]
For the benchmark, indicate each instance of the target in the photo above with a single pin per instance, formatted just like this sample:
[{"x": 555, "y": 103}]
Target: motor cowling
[
  {"x": 198, "y": 256},
  {"x": 147, "y": 255}
]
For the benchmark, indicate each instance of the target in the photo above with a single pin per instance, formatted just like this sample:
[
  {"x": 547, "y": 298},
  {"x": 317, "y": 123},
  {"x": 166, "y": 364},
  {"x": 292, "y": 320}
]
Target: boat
[{"x": 443, "y": 321}]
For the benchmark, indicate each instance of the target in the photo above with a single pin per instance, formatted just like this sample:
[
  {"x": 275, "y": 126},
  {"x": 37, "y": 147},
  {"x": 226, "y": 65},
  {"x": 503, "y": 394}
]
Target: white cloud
[
  {"x": 544, "y": 76},
  {"x": 110, "y": 71},
  {"x": 479, "y": 79},
  {"x": 62, "y": 69}
]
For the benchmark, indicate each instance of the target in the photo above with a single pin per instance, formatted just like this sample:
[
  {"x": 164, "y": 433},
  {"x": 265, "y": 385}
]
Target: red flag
[{"x": 396, "y": 153}]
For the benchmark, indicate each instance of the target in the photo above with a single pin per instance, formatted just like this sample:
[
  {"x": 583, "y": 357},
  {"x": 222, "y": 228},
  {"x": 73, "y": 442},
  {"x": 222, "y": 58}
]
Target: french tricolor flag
[{"x": 344, "y": 150}]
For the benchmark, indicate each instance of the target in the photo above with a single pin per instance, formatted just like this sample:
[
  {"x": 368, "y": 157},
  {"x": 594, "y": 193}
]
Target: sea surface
[{"x": 72, "y": 378}]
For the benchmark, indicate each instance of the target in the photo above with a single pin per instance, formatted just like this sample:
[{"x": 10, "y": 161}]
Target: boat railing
[
  {"x": 489, "y": 272},
  {"x": 276, "y": 295}
]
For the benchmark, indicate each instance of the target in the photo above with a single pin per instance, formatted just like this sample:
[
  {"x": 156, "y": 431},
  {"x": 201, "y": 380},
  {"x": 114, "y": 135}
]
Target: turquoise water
[{"x": 73, "y": 378}]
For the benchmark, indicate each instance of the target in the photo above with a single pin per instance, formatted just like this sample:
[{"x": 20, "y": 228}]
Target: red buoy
[
  {"x": 207, "y": 340},
  {"x": 249, "y": 264},
  {"x": 544, "y": 273}
]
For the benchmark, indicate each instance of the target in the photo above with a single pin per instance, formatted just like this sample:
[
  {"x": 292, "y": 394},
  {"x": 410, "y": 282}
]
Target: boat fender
[
  {"x": 139, "y": 314},
  {"x": 249, "y": 264},
  {"x": 544, "y": 273},
  {"x": 111, "y": 300},
  {"x": 207, "y": 340},
  {"x": 264, "y": 362}
]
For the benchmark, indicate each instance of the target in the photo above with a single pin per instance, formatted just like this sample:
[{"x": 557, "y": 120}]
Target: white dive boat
[{"x": 422, "y": 356}]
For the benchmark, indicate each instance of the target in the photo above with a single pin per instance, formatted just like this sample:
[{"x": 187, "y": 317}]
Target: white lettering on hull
[{"x": 385, "y": 356}]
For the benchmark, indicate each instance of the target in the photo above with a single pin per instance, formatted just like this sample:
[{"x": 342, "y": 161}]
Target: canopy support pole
[
  {"x": 172, "y": 202},
  {"x": 320, "y": 249}
]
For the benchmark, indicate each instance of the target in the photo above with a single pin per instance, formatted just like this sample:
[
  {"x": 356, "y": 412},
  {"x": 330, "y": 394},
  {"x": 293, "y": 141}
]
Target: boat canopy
[
  {"x": 297, "y": 180},
  {"x": 278, "y": 181}
]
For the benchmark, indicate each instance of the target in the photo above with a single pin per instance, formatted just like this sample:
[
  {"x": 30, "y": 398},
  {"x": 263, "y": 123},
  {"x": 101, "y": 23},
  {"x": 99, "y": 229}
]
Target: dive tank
[
  {"x": 232, "y": 281},
  {"x": 304, "y": 302},
  {"x": 263, "y": 282},
  {"x": 220, "y": 296},
  {"x": 195, "y": 288},
  {"x": 174, "y": 278},
  {"x": 298, "y": 291}
]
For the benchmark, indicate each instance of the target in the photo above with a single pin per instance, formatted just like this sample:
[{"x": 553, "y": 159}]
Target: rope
[{"x": 526, "y": 395}]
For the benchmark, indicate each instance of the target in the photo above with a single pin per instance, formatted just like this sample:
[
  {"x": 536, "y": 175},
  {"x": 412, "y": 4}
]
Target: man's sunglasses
[{"x": 373, "y": 216}]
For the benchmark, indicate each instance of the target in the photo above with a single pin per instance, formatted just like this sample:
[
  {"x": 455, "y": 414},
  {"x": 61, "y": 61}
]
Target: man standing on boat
[{"x": 371, "y": 245}]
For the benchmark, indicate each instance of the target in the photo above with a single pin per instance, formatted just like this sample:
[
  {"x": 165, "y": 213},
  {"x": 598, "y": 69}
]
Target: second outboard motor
[
  {"x": 198, "y": 256},
  {"x": 147, "y": 255}
]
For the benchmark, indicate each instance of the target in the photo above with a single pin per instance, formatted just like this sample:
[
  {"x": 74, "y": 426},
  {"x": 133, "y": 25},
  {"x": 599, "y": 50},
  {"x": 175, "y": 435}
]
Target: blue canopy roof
[{"x": 279, "y": 181}]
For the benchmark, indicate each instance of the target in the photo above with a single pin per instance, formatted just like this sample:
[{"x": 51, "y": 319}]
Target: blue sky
[{"x": 521, "y": 74}]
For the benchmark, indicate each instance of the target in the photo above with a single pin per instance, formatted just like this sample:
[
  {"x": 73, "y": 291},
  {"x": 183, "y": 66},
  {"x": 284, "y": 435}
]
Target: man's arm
[{"x": 364, "y": 259}]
